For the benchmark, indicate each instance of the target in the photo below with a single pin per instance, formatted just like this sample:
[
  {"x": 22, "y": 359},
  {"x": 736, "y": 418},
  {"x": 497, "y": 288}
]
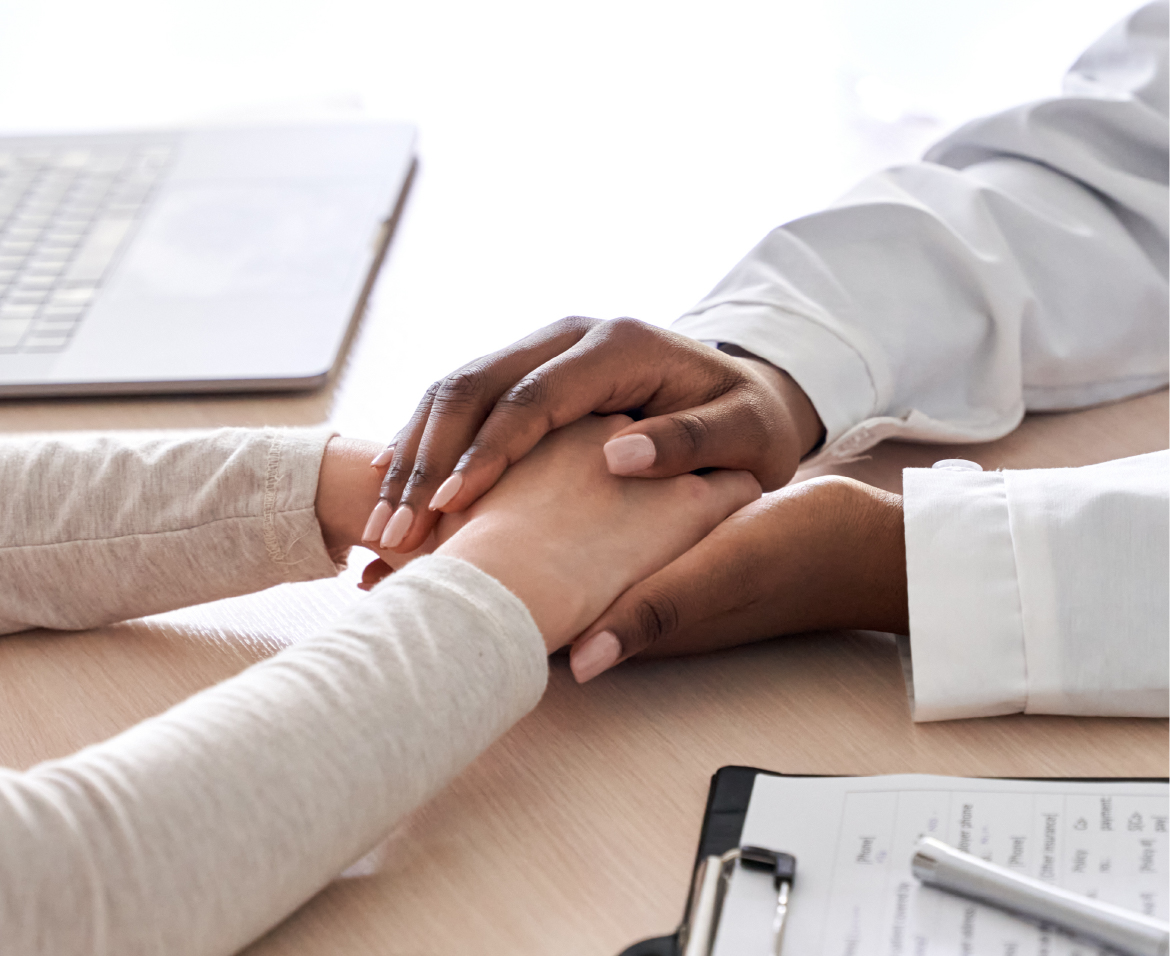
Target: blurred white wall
[{"x": 611, "y": 157}]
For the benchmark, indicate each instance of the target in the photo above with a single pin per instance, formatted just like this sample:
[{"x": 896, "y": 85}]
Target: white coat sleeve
[
  {"x": 1022, "y": 265},
  {"x": 1042, "y": 591}
]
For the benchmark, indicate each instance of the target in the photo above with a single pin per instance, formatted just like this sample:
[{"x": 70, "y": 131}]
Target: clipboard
[
  {"x": 728, "y": 799},
  {"x": 727, "y": 805}
]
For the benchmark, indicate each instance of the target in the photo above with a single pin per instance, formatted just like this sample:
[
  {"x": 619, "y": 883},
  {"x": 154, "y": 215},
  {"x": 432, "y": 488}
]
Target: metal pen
[{"x": 938, "y": 864}]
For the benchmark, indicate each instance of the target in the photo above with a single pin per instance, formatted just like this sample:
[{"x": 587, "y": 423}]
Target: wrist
[
  {"x": 873, "y": 552},
  {"x": 347, "y": 490},
  {"x": 803, "y": 422},
  {"x": 891, "y": 594},
  {"x": 556, "y": 605}
]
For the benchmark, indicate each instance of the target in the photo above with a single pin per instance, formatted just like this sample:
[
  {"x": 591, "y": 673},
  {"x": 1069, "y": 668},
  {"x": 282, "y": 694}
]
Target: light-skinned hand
[
  {"x": 558, "y": 530},
  {"x": 567, "y": 537}
]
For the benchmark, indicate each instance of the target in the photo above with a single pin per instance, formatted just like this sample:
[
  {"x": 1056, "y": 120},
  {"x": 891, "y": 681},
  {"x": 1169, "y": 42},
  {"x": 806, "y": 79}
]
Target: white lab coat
[{"x": 1021, "y": 266}]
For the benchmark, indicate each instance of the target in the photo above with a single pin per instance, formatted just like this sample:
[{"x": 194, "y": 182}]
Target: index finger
[
  {"x": 617, "y": 366},
  {"x": 447, "y": 419}
]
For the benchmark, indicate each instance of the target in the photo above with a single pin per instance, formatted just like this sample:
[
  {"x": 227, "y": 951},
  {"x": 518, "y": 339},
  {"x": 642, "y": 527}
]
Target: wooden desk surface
[{"x": 575, "y": 833}]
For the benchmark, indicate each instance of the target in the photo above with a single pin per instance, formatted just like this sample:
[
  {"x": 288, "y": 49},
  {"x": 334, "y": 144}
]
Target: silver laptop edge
[{"x": 209, "y": 260}]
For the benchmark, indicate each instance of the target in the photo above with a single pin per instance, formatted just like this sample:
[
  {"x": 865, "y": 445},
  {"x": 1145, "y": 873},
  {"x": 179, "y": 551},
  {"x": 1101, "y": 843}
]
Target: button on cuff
[{"x": 957, "y": 464}]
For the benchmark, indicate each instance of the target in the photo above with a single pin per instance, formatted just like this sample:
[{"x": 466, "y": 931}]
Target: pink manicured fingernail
[
  {"x": 397, "y": 527},
  {"x": 378, "y": 518},
  {"x": 447, "y": 490},
  {"x": 594, "y": 656},
  {"x": 629, "y": 454},
  {"x": 383, "y": 457}
]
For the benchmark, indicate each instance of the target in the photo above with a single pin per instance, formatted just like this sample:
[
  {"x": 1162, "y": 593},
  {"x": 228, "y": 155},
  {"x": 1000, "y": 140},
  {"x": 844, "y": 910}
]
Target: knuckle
[
  {"x": 399, "y": 471},
  {"x": 484, "y": 455},
  {"x": 464, "y": 387},
  {"x": 831, "y": 487},
  {"x": 693, "y": 488},
  {"x": 656, "y": 616},
  {"x": 691, "y": 430},
  {"x": 625, "y": 329},
  {"x": 423, "y": 473},
  {"x": 574, "y": 323},
  {"x": 530, "y": 392}
]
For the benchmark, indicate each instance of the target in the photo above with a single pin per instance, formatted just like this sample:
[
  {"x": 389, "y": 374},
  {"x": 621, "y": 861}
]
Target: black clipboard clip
[
  {"x": 719, "y": 849},
  {"x": 696, "y": 936}
]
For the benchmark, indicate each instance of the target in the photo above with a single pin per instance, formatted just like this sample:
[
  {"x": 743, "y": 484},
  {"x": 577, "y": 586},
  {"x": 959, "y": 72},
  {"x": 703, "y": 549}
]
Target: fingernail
[
  {"x": 378, "y": 518},
  {"x": 629, "y": 454},
  {"x": 447, "y": 490},
  {"x": 397, "y": 527},
  {"x": 383, "y": 457},
  {"x": 595, "y": 655}
]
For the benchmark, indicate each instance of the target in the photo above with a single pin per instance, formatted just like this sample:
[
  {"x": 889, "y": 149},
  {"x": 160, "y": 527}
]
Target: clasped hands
[{"x": 613, "y": 563}]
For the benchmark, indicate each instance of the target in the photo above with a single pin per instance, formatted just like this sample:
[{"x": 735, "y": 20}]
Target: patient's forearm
[
  {"x": 194, "y": 832},
  {"x": 108, "y": 528}
]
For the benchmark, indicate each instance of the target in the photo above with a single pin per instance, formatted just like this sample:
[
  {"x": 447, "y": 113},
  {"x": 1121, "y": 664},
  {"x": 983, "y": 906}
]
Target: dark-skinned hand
[
  {"x": 823, "y": 554},
  {"x": 696, "y": 408}
]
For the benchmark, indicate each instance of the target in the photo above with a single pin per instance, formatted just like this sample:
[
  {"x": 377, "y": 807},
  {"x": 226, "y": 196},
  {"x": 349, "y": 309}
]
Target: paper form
[{"x": 853, "y": 838}]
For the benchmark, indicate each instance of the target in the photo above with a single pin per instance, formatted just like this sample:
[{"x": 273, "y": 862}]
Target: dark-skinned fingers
[
  {"x": 668, "y": 603},
  {"x": 728, "y": 573},
  {"x": 715, "y": 577},
  {"x": 456, "y": 406},
  {"x": 599, "y": 373},
  {"x": 735, "y": 430},
  {"x": 454, "y": 396},
  {"x": 398, "y": 470},
  {"x": 618, "y": 365}
]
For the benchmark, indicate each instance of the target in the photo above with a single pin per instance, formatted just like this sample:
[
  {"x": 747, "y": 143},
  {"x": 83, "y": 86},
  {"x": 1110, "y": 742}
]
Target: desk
[{"x": 574, "y": 834}]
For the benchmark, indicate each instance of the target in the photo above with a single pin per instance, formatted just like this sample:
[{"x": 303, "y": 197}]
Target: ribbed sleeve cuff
[
  {"x": 966, "y": 627},
  {"x": 292, "y": 534}
]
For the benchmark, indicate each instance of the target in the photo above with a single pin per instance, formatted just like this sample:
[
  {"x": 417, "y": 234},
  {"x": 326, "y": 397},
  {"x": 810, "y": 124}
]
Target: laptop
[{"x": 233, "y": 259}]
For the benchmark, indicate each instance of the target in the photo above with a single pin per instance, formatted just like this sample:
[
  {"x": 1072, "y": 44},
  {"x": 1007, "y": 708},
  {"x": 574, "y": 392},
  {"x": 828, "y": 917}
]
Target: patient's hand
[
  {"x": 700, "y": 408},
  {"x": 820, "y": 555},
  {"x": 567, "y": 537}
]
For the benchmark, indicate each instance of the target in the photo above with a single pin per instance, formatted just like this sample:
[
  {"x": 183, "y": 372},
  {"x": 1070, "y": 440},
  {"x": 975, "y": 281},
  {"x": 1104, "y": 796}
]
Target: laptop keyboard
[{"x": 64, "y": 215}]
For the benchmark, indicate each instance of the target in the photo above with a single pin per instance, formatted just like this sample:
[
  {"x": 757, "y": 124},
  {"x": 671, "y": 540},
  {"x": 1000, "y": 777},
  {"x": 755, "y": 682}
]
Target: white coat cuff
[{"x": 966, "y": 628}]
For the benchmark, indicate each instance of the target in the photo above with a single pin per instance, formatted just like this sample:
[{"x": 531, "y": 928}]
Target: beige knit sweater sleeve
[{"x": 197, "y": 830}]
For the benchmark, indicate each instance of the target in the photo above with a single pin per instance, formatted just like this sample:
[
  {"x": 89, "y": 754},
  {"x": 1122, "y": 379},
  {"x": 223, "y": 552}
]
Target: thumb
[
  {"x": 375, "y": 572},
  {"x": 727, "y": 432},
  {"x": 664, "y": 606}
]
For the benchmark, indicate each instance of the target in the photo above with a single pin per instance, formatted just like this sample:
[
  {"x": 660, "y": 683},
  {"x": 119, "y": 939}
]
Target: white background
[{"x": 603, "y": 158}]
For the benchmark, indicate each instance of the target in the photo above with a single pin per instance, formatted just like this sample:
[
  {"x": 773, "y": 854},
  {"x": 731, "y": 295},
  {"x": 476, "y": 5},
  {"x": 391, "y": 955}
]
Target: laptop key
[
  {"x": 75, "y": 298},
  {"x": 98, "y": 250},
  {"x": 64, "y": 216},
  {"x": 12, "y": 331}
]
